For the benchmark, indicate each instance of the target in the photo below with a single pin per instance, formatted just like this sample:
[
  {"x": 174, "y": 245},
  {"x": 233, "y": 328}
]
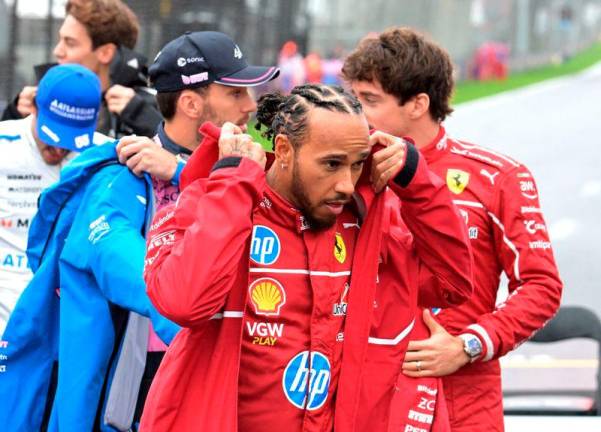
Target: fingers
[
  {"x": 411, "y": 356},
  {"x": 119, "y": 91},
  {"x": 117, "y": 97},
  {"x": 382, "y": 178},
  {"x": 229, "y": 128},
  {"x": 131, "y": 150},
  {"x": 28, "y": 93},
  {"x": 388, "y": 161},
  {"x": 418, "y": 368},
  {"x": 25, "y": 101},
  {"x": 130, "y": 145},
  {"x": 135, "y": 164},
  {"x": 431, "y": 323},
  {"x": 233, "y": 142},
  {"x": 115, "y": 106},
  {"x": 417, "y": 345},
  {"x": 379, "y": 137}
]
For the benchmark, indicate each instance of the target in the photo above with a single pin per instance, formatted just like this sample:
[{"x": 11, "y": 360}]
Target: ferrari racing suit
[
  {"x": 270, "y": 328},
  {"x": 499, "y": 201}
]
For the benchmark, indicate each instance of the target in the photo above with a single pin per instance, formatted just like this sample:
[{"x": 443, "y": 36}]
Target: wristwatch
[{"x": 471, "y": 345}]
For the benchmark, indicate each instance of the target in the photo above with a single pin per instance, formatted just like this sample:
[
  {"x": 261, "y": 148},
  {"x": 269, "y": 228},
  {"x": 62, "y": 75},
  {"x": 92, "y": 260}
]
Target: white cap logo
[
  {"x": 71, "y": 112},
  {"x": 196, "y": 78},
  {"x": 237, "y": 52},
  {"x": 181, "y": 62},
  {"x": 54, "y": 137},
  {"x": 82, "y": 141}
]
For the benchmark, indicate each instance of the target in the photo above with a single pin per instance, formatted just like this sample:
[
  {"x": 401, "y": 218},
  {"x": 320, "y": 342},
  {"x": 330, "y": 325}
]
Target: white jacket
[{"x": 23, "y": 176}]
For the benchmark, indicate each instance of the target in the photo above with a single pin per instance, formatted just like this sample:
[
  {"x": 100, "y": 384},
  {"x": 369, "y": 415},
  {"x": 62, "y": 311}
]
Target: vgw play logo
[
  {"x": 264, "y": 246},
  {"x": 305, "y": 382}
]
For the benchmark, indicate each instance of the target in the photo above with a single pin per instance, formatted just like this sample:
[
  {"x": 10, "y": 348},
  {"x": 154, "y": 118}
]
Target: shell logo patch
[
  {"x": 339, "y": 249},
  {"x": 457, "y": 180},
  {"x": 267, "y": 296}
]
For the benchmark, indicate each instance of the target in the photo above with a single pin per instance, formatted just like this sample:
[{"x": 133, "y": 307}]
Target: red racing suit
[
  {"x": 263, "y": 338},
  {"x": 499, "y": 201}
]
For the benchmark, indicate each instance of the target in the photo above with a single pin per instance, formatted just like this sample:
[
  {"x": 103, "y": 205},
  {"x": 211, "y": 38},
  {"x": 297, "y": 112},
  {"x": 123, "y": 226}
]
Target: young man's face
[
  {"x": 328, "y": 164},
  {"x": 382, "y": 109},
  {"x": 75, "y": 45},
  {"x": 231, "y": 104}
]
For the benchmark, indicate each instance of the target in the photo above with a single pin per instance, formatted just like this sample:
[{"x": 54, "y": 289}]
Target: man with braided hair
[{"x": 259, "y": 267}]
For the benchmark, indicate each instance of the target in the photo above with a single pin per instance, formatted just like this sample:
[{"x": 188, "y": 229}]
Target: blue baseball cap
[
  {"x": 68, "y": 100},
  {"x": 197, "y": 59}
]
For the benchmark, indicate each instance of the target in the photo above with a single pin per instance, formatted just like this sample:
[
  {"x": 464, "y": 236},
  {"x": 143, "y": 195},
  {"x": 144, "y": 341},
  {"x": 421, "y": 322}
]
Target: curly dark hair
[
  {"x": 106, "y": 21},
  {"x": 287, "y": 114},
  {"x": 405, "y": 63}
]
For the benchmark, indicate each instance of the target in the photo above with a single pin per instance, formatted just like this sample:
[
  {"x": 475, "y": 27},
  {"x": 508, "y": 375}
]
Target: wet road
[{"x": 555, "y": 129}]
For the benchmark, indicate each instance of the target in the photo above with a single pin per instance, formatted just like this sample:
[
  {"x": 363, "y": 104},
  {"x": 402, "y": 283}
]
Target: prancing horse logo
[{"x": 457, "y": 180}]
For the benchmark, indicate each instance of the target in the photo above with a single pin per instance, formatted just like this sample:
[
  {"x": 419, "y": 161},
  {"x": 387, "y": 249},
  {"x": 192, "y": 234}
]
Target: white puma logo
[{"x": 490, "y": 176}]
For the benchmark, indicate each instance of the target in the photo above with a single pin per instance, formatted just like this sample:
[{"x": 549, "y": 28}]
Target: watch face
[{"x": 473, "y": 347}]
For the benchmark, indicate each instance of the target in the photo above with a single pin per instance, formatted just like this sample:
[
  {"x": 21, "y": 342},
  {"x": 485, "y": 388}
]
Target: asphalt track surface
[{"x": 555, "y": 129}]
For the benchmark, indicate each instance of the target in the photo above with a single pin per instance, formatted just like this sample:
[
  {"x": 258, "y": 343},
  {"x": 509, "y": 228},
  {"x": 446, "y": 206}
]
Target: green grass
[
  {"x": 257, "y": 136},
  {"x": 471, "y": 90}
]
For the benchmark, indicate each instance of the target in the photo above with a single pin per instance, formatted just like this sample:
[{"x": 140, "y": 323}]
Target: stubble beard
[{"x": 304, "y": 204}]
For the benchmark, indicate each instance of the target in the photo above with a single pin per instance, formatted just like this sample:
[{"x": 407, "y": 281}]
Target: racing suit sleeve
[
  {"x": 196, "y": 248},
  {"x": 116, "y": 215},
  {"x": 524, "y": 250},
  {"x": 439, "y": 233}
]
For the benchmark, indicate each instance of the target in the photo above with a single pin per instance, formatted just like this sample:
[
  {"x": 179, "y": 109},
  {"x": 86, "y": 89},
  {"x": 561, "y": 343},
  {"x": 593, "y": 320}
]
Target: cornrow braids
[{"x": 287, "y": 114}]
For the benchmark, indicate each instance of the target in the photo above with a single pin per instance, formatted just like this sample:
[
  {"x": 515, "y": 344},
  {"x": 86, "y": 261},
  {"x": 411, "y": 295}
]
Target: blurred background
[
  {"x": 486, "y": 38},
  {"x": 542, "y": 56}
]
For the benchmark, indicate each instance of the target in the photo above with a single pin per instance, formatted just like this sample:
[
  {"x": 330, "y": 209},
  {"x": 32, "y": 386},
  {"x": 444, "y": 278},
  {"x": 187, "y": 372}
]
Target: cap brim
[
  {"x": 250, "y": 76},
  {"x": 56, "y": 134}
]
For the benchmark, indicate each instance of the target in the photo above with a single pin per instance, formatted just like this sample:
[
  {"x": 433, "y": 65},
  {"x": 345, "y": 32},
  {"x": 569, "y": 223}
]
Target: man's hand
[
  {"x": 141, "y": 154},
  {"x": 233, "y": 142},
  {"x": 440, "y": 355},
  {"x": 386, "y": 162},
  {"x": 25, "y": 101},
  {"x": 117, "y": 97}
]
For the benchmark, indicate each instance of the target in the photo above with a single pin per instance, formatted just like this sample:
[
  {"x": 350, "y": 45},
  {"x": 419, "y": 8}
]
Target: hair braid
[{"x": 287, "y": 114}]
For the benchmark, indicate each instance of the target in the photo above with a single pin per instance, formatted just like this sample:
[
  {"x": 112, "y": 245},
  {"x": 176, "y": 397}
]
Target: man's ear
[
  {"x": 283, "y": 150},
  {"x": 105, "y": 53},
  {"x": 421, "y": 106},
  {"x": 190, "y": 103}
]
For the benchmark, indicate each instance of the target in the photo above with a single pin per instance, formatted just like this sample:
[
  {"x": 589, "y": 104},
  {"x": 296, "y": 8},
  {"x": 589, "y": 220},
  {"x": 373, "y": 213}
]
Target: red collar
[{"x": 437, "y": 147}]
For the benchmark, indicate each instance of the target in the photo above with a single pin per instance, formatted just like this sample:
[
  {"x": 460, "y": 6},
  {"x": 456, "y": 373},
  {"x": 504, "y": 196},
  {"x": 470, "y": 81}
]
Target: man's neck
[
  {"x": 424, "y": 132},
  {"x": 105, "y": 79},
  {"x": 278, "y": 184},
  {"x": 183, "y": 132}
]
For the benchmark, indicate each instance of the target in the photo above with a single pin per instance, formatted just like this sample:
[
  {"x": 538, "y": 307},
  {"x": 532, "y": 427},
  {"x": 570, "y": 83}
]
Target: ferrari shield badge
[
  {"x": 339, "y": 249},
  {"x": 457, "y": 180}
]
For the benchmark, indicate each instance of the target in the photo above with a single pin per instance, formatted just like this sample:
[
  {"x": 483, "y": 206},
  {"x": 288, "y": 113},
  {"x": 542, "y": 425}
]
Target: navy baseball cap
[
  {"x": 197, "y": 59},
  {"x": 68, "y": 100}
]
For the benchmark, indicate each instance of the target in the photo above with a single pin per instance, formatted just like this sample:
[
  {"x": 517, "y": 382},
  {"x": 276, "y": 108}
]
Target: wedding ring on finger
[{"x": 418, "y": 365}]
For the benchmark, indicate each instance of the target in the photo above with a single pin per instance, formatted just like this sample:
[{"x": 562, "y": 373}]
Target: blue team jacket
[{"x": 86, "y": 248}]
